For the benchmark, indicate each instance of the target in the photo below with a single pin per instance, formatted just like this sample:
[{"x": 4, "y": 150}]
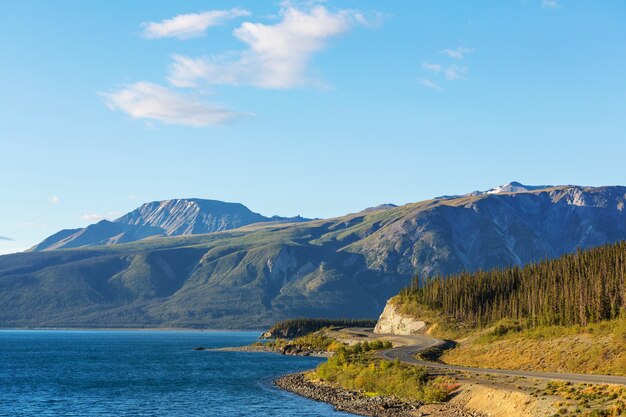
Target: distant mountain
[
  {"x": 511, "y": 187},
  {"x": 386, "y": 206},
  {"x": 260, "y": 273},
  {"x": 160, "y": 218}
]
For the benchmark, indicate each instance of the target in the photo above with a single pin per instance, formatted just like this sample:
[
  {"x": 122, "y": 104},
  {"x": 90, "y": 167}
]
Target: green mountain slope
[{"x": 348, "y": 267}]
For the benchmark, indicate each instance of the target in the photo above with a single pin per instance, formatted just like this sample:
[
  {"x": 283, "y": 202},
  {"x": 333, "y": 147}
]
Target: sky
[{"x": 311, "y": 108}]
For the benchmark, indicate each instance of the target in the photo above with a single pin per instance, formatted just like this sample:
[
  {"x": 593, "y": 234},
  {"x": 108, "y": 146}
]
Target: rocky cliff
[{"x": 392, "y": 321}]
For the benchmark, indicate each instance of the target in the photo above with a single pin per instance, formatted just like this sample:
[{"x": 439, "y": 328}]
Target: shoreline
[
  {"x": 131, "y": 329},
  {"x": 356, "y": 403},
  {"x": 473, "y": 398},
  {"x": 349, "y": 401},
  {"x": 266, "y": 349}
]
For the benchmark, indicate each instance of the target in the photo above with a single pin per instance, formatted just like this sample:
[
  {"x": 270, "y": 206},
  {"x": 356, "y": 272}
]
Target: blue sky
[{"x": 308, "y": 108}]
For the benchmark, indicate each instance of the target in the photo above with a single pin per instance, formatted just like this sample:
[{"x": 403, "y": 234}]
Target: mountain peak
[
  {"x": 511, "y": 187},
  {"x": 385, "y": 206},
  {"x": 191, "y": 216},
  {"x": 515, "y": 187},
  {"x": 174, "y": 217}
]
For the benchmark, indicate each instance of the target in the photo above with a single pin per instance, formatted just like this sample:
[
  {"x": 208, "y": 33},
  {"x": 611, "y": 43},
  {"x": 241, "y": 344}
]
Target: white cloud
[
  {"x": 54, "y": 199},
  {"x": 186, "y": 26},
  {"x": 432, "y": 67},
  {"x": 458, "y": 53},
  {"x": 12, "y": 249},
  {"x": 277, "y": 55},
  {"x": 93, "y": 217},
  {"x": 132, "y": 196},
  {"x": 430, "y": 84},
  {"x": 144, "y": 100},
  {"x": 31, "y": 224},
  {"x": 6, "y": 238},
  {"x": 454, "y": 72},
  {"x": 451, "y": 72},
  {"x": 550, "y": 4}
]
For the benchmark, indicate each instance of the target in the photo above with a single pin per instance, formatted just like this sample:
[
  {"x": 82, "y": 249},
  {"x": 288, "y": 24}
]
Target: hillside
[
  {"x": 346, "y": 267},
  {"x": 566, "y": 314},
  {"x": 576, "y": 289}
]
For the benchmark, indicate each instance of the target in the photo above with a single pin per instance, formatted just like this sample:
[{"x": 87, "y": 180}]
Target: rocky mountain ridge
[
  {"x": 261, "y": 273},
  {"x": 177, "y": 217}
]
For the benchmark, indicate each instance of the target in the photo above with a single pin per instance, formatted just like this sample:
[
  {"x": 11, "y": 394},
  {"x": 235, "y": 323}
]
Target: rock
[
  {"x": 345, "y": 400},
  {"x": 391, "y": 321},
  {"x": 267, "y": 335}
]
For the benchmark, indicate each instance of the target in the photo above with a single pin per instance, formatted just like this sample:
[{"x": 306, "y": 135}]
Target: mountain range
[
  {"x": 160, "y": 218},
  {"x": 193, "y": 263}
]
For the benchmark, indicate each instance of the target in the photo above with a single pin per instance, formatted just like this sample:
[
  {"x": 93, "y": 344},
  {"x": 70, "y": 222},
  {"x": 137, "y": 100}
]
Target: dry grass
[
  {"x": 588, "y": 400},
  {"x": 597, "y": 349}
]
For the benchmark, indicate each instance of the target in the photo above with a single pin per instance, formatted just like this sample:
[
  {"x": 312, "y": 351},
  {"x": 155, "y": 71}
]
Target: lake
[{"x": 144, "y": 373}]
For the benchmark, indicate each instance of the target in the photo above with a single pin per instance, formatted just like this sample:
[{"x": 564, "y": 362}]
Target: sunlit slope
[{"x": 343, "y": 267}]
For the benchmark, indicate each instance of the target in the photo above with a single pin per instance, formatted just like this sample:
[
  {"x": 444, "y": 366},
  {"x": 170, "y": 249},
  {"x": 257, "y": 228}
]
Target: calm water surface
[{"x": 144, "y": 373}]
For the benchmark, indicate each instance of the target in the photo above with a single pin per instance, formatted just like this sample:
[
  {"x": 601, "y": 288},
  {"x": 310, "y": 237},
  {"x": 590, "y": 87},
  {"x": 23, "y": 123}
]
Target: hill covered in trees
[
  {"x": 292, "y": 328},
  {"x": 576, "y": 289},
  {"x": 560, "y": 315}
]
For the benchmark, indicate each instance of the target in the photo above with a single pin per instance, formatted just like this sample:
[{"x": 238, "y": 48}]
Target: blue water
[{"x": 144, "y": 373}]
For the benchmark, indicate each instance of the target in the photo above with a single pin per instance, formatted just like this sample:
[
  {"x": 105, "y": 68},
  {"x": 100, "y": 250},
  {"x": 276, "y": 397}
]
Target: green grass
[{"x": 355, "y": 368}]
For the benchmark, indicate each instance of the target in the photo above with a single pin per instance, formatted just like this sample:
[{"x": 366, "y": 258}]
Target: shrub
[{"x": 352, "y": 368}]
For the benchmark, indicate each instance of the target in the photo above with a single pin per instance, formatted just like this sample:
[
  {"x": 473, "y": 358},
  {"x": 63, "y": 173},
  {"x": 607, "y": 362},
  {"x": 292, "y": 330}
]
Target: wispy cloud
[
  {"x": 12, "y": 249},
  {"x": 432, "y": 67},
  {"x": 277, "y": 55},
  {"x": 452, "y": 70},
  {"x": 550, "y": 4},
  {"x": 6, "y": 238},
  {"x": 31, "y": 224},
  {"x": 187, "y": 26},
  {"x": 430, "y": 84},
  {"x": 145, "y": 100},
  {"x": 93, "y": 217},
  {"x": 54, "y": 200},
  {"x": 458, "y": 53}
]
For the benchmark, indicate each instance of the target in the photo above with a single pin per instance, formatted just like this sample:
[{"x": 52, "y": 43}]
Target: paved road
[{"x": 414, "y": 344}]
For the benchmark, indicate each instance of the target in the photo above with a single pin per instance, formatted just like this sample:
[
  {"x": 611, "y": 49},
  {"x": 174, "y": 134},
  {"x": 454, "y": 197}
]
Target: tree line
[
  {"x": 302, "y": 326},
  {"x": 576, "y": 289}
]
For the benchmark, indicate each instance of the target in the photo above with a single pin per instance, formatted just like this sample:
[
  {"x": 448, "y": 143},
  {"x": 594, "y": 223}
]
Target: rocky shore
[
  {"x": 355, "y": 403},
  {"x": 288, "y": 350},
  {"x": 344, "y": 400}
]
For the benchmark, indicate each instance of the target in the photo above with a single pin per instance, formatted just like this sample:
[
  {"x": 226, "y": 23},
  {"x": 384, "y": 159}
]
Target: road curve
[{"x": 419, "y": 344}]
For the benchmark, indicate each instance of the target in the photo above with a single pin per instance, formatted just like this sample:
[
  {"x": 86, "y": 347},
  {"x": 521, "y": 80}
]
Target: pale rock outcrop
[{"x": 392, "y": 321}]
